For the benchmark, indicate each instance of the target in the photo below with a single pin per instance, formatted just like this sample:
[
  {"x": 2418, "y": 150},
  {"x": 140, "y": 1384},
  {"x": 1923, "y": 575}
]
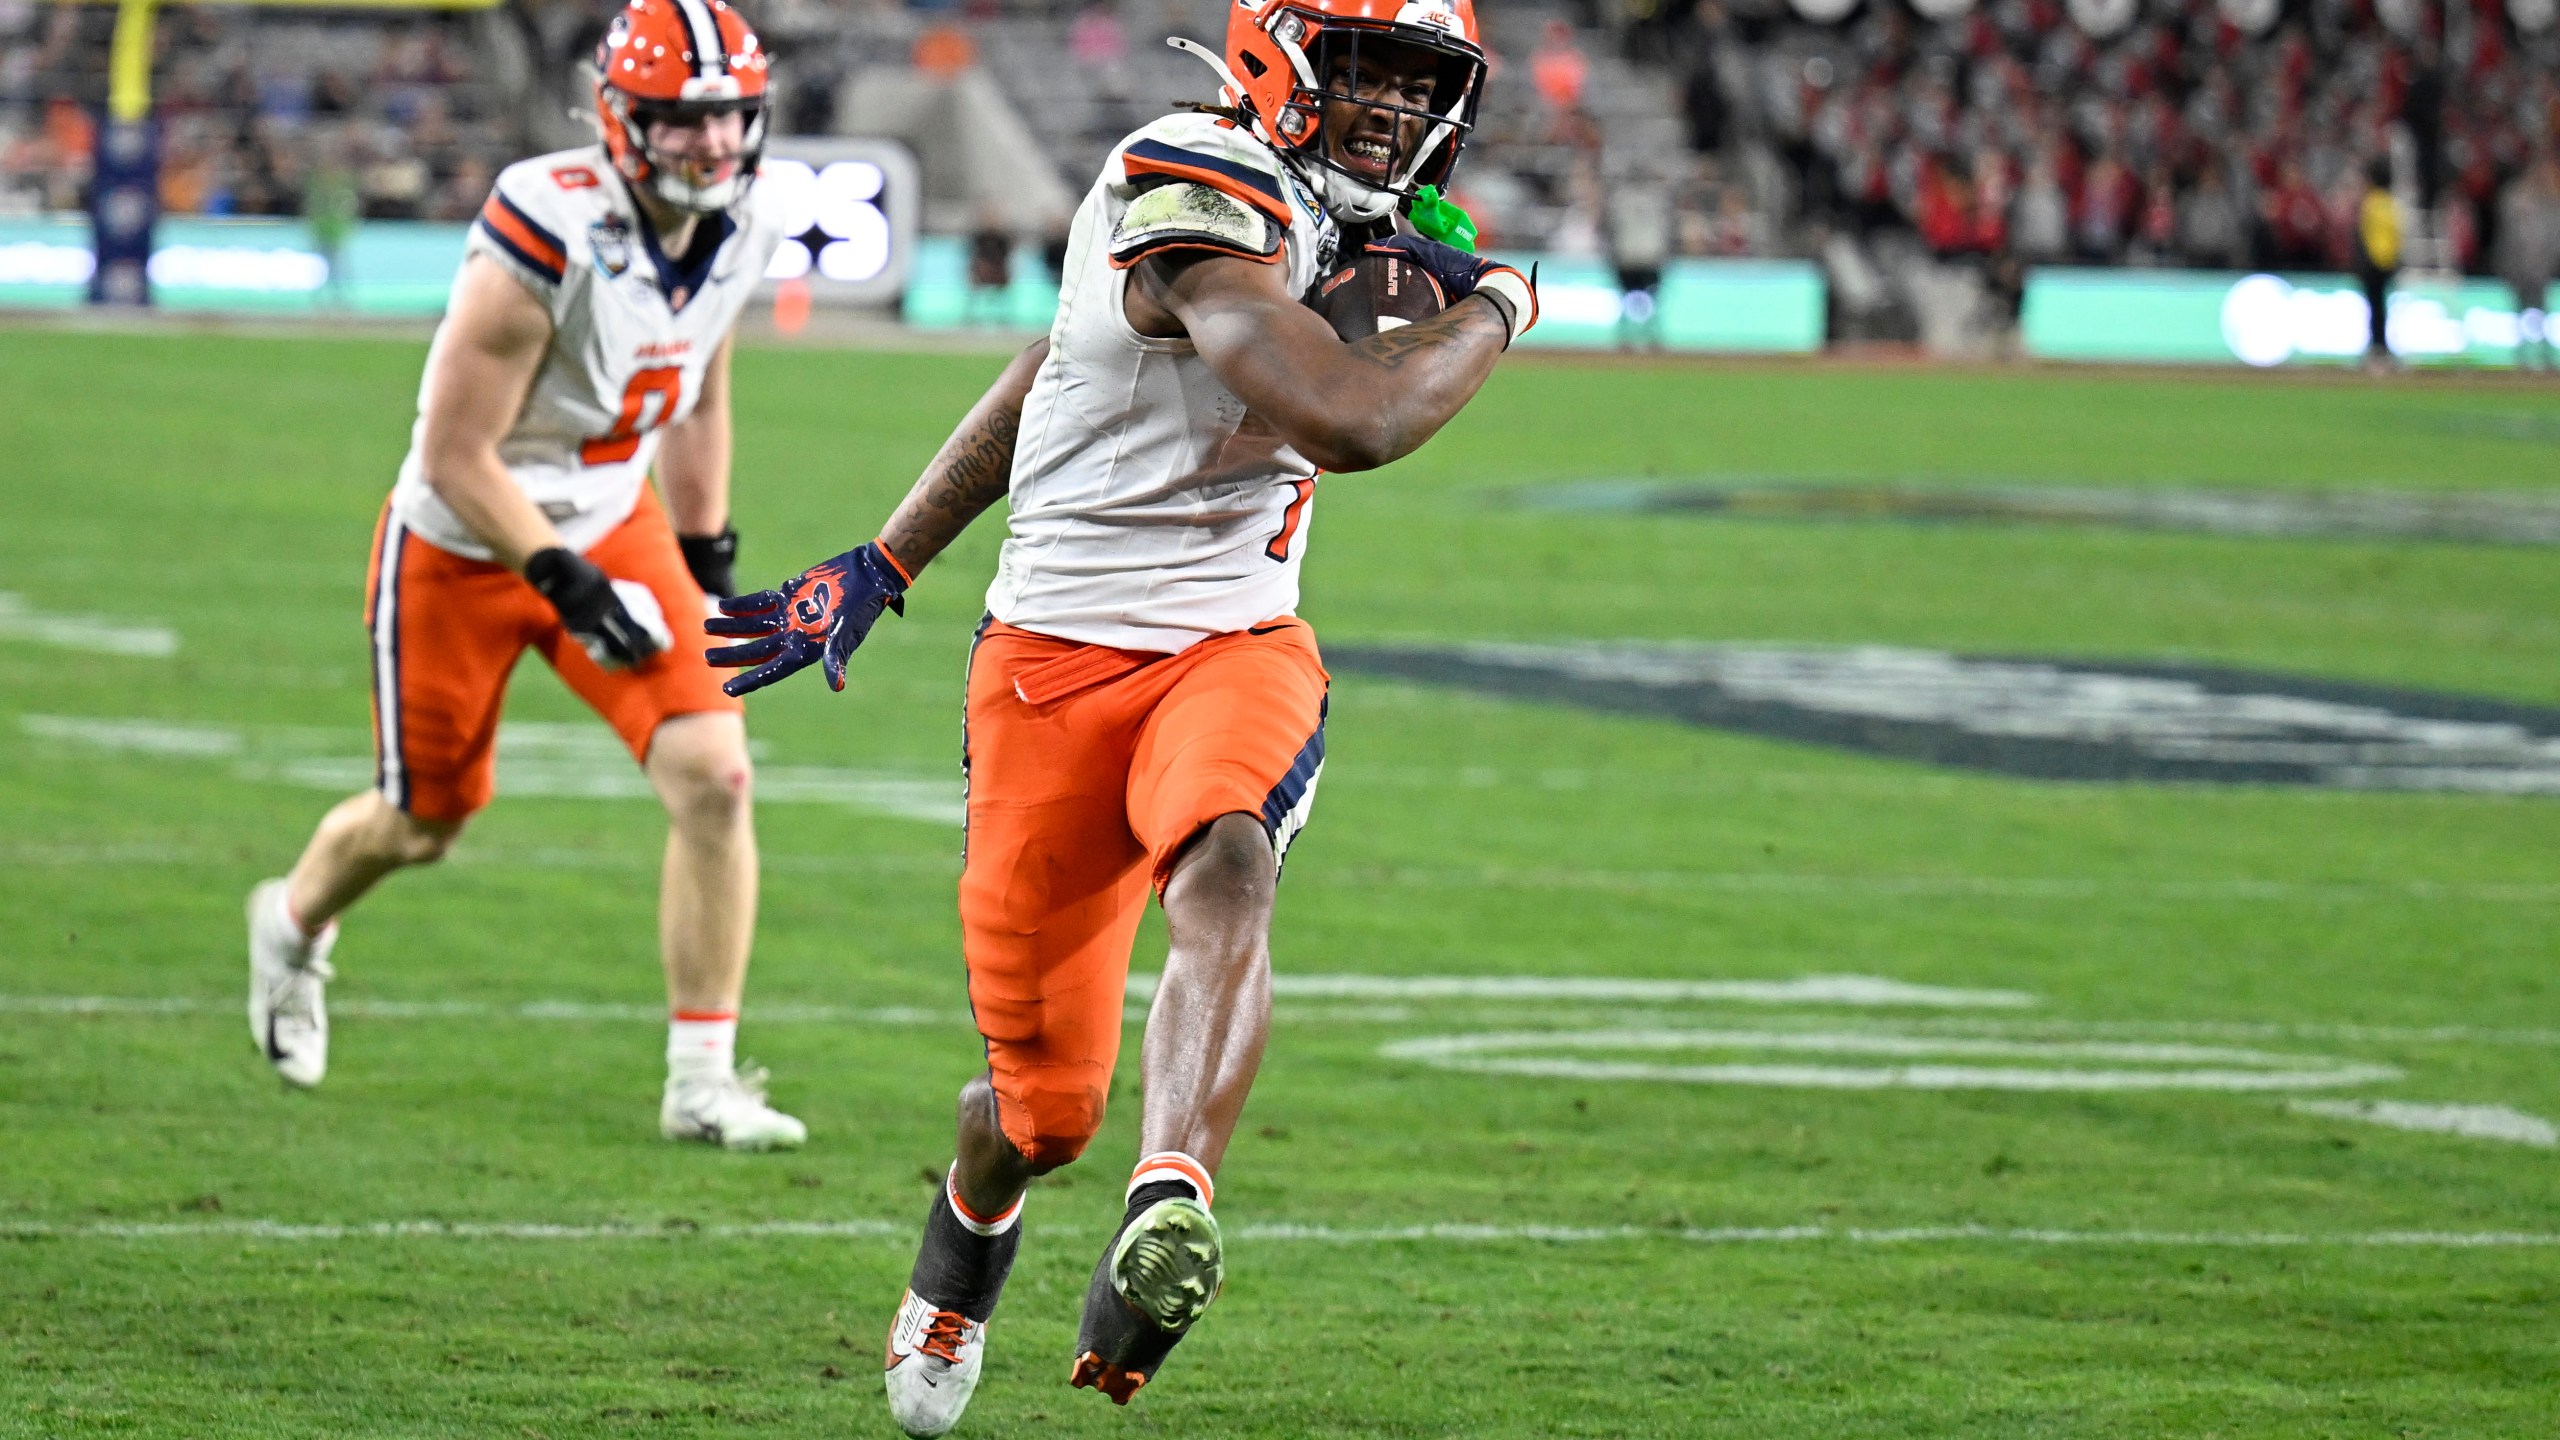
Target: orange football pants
[
  {"x": 1089, "y": 770},
  {"x": 447, "y": 632}
]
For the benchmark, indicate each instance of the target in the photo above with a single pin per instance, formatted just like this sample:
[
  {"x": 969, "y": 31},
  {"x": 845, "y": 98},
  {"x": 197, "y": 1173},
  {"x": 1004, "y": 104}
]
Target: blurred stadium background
[
  {"x": 1850, "y": 899},
  {"x": 2069, "y": 179}
]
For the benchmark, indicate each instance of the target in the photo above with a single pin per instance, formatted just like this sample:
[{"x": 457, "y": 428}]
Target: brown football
[{"x": 1376, "y": 292}]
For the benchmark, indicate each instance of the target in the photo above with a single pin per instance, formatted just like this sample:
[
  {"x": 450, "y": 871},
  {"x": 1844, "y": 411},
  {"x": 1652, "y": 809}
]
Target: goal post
[{"x": 124, "y": 186}]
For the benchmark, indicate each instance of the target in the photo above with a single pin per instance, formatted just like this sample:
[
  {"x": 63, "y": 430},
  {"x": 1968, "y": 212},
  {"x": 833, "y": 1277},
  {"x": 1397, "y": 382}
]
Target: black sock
[{"x": 959, "y": 1269}]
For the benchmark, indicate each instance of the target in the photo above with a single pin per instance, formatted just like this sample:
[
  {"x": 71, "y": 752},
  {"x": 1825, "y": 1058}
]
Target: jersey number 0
[{"x": 647, "y": 401}]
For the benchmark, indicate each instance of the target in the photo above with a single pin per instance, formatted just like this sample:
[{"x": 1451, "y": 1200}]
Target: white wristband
[{"x": 1519, "y": 298}]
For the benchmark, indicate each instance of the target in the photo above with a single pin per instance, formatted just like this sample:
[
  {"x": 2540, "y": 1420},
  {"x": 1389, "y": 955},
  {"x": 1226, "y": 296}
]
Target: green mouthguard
[{"x": 1436, "y": 219}]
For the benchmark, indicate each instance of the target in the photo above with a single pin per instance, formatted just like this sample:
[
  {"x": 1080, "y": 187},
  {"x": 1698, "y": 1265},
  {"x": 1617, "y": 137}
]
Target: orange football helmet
[
  {"x": 665, "y": 60},
  {"x": 1283, "y": 55},
  {"x": 1283, "y": 60}
]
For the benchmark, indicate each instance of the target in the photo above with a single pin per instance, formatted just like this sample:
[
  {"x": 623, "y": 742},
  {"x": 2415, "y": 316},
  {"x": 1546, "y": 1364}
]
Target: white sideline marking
[
  {"x": 1377, "y": 1014},
  {"x": 2205, "y": 1067},
  {"x": 137, "y": 852},
  {"x": 1909, "y": 1235},
  {"x": 49, "y": 854},
  {"x": 1284, "y": 1232},
  {"x": 2479, "y": 1122},
  {"x": 576, "y": 762},
  {"x": 1932, "y": 887},
  {"x": 474, "y": 1009},
  {"x": 443, "y": 1230},
  {"x": 2255, "y": 1030},
  {"x": 144, "y": 737},
  {"x": 74, "y": 632},
  {"x": 353, "y": 774},
  {"x": 1804, "y": 990}
]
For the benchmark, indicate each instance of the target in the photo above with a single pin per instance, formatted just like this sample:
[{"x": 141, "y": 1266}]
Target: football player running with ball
[
  {"x": 1145, "y": 713},
  {"x": 586, "y": 343}
]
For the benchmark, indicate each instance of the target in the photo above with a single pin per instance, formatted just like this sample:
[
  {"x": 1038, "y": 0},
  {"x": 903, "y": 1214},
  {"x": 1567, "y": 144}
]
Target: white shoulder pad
[
  {"x": 1205, "y": 151},
  {"x": 536, "y": 217},
  {"x": 1188, "y": 215}
]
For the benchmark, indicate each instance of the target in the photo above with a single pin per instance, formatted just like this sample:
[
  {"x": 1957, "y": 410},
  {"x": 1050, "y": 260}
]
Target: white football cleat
[
  {"x": 934, "y": 1359},
  {"x": 287, "y": 973},
  {"x": 727, "y": 1110}
]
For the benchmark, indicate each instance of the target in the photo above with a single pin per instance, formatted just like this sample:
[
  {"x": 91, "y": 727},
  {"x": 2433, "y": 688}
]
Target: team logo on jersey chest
[{"x": 610, "y": 239}]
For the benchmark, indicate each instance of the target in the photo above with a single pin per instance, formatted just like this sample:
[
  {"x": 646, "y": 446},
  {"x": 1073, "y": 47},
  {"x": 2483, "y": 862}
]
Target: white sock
[
  {"x": 702, "y": 1044},
  {"x": 1175, "y": 1165},
  {"x": 968, "y": 1219},
  {"x": 289, "y": 922}
]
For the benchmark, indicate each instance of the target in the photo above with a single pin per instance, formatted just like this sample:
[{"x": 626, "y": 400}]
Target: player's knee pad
[{"x": 1050, "y": 1116}]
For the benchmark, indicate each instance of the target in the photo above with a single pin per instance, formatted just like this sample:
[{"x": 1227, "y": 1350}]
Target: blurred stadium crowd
[
  {"x": 1986, "y": 134},
  {"x": 259, "y": 110}
]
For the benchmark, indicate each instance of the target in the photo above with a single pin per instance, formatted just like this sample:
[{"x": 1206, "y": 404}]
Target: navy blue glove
[
  {"x": 824, "y": 612},
  {"x": 1462, "y": 274}
]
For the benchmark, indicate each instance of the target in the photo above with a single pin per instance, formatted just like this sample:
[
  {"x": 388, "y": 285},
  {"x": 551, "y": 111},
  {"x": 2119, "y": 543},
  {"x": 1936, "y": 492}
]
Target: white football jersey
[
  {"x": 632, "y": 337},
  {"x": 1151, "y": 510}
]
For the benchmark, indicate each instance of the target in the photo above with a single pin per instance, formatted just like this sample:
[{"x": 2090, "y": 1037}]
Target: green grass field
[{"x": 187, "y": 1250}]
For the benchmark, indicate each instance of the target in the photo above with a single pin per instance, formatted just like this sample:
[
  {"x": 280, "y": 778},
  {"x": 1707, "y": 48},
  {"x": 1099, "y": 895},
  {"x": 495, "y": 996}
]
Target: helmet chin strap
[
  {"x": 668, "y": 184},
  {"x": 698, "y": 199},
  {"x": 1344, "y": 197}
]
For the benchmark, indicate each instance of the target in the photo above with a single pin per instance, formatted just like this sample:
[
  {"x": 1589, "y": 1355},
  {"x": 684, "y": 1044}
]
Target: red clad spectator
[
  {"x": 944, "y": 51},
  {"x": 70, "y": 130},
  {"x": 1559, "y": 69},
  {"x": 1943, "y": 210},
  {"x": 2297, "y": 223}
]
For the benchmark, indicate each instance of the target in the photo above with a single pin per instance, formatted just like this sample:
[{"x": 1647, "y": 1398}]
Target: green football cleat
[
  {"x": 1171, "y": 1263},
  {"x": 1164, "y": 1268}
]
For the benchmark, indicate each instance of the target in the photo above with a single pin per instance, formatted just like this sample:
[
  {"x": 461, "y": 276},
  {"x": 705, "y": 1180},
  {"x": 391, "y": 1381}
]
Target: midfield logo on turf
[
  {"x": 2472, "y": 517},
  {"x": 2043, "y": 719}
]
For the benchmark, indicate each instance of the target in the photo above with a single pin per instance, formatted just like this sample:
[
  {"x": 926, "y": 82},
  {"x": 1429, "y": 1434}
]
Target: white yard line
[
  {"x": 2477, "y": 1122},
  {"x": 575, "y": 762},
  {"x": 1859, "y": 990},
  {"x": 1931, "y": 887},
  {"x": 1911, "y": 1235},
  {"x": 2047, "y": 1065},
  {"x": 83, "y": 632},
  {"x": 578, "y": 1010},
  {"x": 1285, "y": 1232},
  {"x": 441, "y": 1230},
  {"x": 2250, "y": 1030},
  {"x": 1142, "y": 986}
]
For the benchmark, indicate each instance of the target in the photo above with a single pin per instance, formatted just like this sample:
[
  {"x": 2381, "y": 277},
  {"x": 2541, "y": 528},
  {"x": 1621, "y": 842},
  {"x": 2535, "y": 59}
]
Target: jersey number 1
[{"x": 663, "y": 385}]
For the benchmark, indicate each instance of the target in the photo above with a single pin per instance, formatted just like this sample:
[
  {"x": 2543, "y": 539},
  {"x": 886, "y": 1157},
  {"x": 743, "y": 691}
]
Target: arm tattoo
[
  {"x": 1390, "y": 349},
  {"x": 976, "y": 467},
  {"x": 972, "y": 471}
]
